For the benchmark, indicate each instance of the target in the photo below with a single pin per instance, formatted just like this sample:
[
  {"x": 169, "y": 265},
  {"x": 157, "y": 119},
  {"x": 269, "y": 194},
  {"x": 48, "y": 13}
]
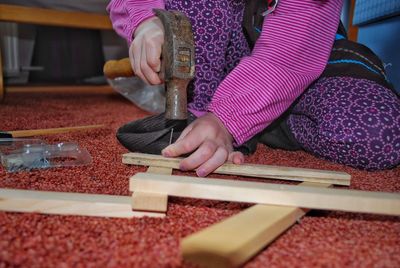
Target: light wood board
[
  {"x": 267, "y": 193},
  {"x": 233, "y": 241},
  {"x": 13, "y": 200},
  {"x": 50, "y": 131},
  {"x": 249, "y": 170},
  {"x": 75, "y": 89},
  {"x": 151, "y": 201}
]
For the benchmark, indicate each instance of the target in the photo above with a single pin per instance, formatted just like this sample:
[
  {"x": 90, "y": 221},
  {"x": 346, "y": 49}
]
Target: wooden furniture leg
[{"x": 44, "y": 16}]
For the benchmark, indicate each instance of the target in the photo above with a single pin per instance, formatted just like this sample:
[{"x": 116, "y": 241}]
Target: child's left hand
[{"x": 210, "y": 144}]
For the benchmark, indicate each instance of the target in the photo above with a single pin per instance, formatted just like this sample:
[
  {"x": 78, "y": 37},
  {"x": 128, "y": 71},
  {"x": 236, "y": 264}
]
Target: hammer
[{"x": 177, "y": 62}]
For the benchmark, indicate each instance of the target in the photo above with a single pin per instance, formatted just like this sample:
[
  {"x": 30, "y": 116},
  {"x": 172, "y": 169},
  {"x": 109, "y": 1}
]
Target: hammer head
[{"x": 177, "y": 60}]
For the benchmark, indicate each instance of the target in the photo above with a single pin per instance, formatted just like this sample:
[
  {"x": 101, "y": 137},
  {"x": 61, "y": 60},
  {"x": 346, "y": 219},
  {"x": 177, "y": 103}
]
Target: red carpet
[{"x": 321, "y": 239}]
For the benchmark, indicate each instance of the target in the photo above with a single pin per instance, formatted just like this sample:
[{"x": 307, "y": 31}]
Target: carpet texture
[{"x": 320, "y": 239}]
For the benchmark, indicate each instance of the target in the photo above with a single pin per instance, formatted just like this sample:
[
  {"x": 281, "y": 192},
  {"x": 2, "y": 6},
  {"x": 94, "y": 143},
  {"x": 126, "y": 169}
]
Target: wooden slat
[
  {"x": 51, "y": 17},
  {"x": 250, "y": 170},
  {"x": 267, "y": 193},
  {"x": 144, "y": 201},
  {"x": 50, "y": 131},
  {"x": 159, "y": 170},
  {"x": 156, "y": 202},
  {"x": 219, "y": 245},
  {"x": 79, "y": 204},
  {"x": 75, "y": 89}
]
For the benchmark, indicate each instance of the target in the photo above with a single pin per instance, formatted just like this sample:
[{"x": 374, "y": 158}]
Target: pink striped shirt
[{"x": 290, "y": 54}]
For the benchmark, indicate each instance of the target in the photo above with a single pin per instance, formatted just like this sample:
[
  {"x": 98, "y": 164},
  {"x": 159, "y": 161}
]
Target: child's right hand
[{"x": 145, "y": 50}]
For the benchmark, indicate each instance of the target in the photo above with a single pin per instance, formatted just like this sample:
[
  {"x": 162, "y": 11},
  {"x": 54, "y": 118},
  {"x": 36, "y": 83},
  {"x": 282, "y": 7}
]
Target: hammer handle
[{"x": 118, "y": 68}]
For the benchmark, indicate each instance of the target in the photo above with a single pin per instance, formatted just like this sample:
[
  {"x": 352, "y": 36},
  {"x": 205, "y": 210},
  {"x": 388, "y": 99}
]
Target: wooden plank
[
  {"x": 75, "y": 89},
  {"x": 42, "y": 16},
  {"x": 156, "y": 202},
  {"x": 267, "y": 193},
  {"x": 230, "y": 243},
  {"x": 145, "y": 201},
  {"x": 250, "y": 170},
  {"x": 13, "y": 200},
  {"x": 160, "y": 170},
  {"x": 50, "y": 131}
]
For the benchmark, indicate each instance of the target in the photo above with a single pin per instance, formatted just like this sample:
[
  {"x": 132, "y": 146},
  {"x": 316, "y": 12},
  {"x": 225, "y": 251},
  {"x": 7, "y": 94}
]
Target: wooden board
[
  {"x": 50, "y": 131},
  {"x": 75, "y": 89},
  {"x": 155, "y": 202},
  {"x": 230, "y": 243},
  {"x": 267, "y": 193},
  {"x": 160, "y": 170},
  {"x": 42, "y": 16},
  {"x": 13, "y": 200},
  {"x": 144, "y": 201},
  {"x": 249, "y": 170}
]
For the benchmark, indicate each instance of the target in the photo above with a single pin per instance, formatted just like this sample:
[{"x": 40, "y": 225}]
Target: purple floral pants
[{"x": 347, "y": 120}]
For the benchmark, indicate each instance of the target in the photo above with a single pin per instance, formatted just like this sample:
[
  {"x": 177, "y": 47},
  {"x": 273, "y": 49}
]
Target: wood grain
[
  {"x": 267, "y": 193},
  {"x": 118, "y": 68},
  {"x": 14, "y": 200},
  {"x": 75, "y": 89},
  {"x": 250, "y": 170},
  {"x": 156, "y": 202},
  {"x": 50, "y": 131},
  {"x": 230, "y": 243}
]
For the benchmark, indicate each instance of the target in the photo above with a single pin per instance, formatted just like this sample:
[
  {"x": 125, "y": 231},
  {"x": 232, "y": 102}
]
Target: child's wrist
[{"x": 145, "y": 24}]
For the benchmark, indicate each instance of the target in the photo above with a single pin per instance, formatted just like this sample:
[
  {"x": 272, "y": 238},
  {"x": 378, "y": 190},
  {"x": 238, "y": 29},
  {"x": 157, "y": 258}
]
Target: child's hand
[
  {"x": 145, "y": 50},
  {"x": 210, "y": 142}
]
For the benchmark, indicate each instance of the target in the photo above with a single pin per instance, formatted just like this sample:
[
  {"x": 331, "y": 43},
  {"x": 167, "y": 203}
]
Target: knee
[
  {"x": 373, "y": 149},
  {"x": 370, "y": 141},
  {"x": 358, "y": 127}
]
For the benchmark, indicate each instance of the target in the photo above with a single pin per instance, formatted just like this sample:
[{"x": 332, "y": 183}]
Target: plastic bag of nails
[
  {"x": 147, "y": 97},
  {"x": 26, "y": 154}
]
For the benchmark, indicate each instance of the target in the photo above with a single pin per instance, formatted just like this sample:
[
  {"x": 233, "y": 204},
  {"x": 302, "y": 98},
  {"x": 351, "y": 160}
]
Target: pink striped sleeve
[
  {"x": 126, "y": 15},
  {"x": 290, "y": 54}
]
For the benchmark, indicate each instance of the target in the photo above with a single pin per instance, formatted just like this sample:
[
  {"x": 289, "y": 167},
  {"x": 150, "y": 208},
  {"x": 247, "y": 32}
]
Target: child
[{"x": 274, "y": 93}]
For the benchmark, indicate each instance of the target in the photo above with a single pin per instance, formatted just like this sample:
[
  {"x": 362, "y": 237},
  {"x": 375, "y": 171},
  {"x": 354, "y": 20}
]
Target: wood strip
[
  {"x": 250, "y": 170},
  {"x": 13, "y": 200},
  {"x": 156, "y": 202},
  {"x": 75, "y": 89},
  {"x": 50, "y": 131},
  {"x": 267, "y": 193},
  {"x": 219, "y": 245},
  {"x": 42, "y": 16},
  {"x": 160, "y": 170},
  {"x": 145, "y": 201}
]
